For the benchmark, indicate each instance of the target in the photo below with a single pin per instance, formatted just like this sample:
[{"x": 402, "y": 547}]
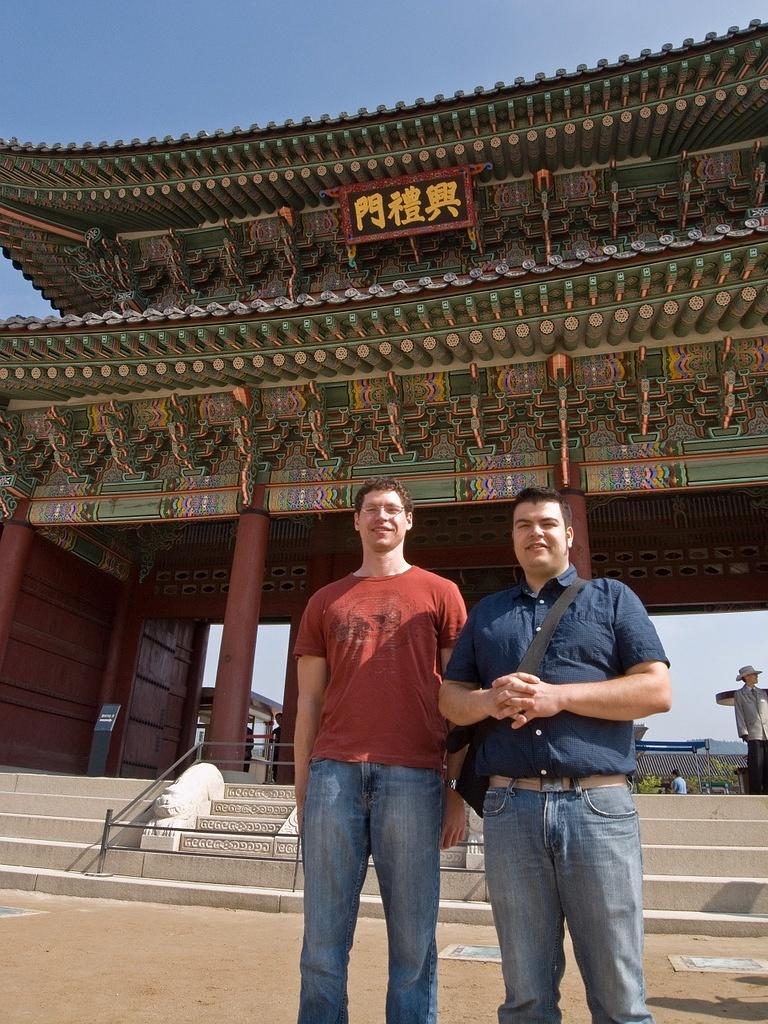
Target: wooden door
[{"x": 159, "y": 690}]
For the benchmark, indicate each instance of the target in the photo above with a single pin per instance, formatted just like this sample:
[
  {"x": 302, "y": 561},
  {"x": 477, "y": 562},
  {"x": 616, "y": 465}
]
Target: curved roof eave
[
  {"x": 363, "y": 116},
  {"x": 501, "y": 272},
  {"x": 40, "y": 289}
]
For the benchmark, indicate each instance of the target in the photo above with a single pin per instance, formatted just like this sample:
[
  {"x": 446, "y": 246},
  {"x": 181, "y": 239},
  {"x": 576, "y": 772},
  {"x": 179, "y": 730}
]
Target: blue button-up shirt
[{"x": 604, "y": 632}]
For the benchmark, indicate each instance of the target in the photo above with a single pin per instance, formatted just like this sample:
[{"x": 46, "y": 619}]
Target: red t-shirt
[{"x": 382, "y": 637}]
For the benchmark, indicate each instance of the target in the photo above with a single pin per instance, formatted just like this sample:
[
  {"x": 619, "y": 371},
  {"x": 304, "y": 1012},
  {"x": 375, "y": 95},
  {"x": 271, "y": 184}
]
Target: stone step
[
  {"x": 222, "y": 868},
  {"x": 681, "y": 808},
  {"x": 723, "y": 894},
  {"x": 650, "y": 806},
  {"x": 224, "y": 844},
  {"x": 691, "y": 922},
  {"x": 252, "y": 808},
  {"x": 254, "y": 791},
  {"x": 237, "y": 863},
  {"x": 736, "y": 861},
  {"x": 78, "y": 830},
  {"x": 247, "y": 860},
  {"x": 65, "y": 806},
  {"x": 455, "y": 857},
  {"x": 663, "y": 831},
  {"x": 122, "y": 790},
  {"x": 284, "y": 846},
  {"x": 704, "y": 832},
  {"x": 245, "y": 826},
  {"x": 188, "y": 893},
  {"x": 231, "y": 838},
  {"x": 266, "y": 900},
  {"x": 66, "y": 856}
]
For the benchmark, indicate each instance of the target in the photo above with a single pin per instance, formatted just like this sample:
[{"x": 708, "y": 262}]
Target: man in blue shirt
[
  {"x": 561, "y": 831},
  {"x": 679, "y": 786}
]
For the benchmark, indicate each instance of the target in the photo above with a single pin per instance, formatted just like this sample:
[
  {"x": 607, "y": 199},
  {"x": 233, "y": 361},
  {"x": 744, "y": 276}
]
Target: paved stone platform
[{"x": 81, "y": 960}]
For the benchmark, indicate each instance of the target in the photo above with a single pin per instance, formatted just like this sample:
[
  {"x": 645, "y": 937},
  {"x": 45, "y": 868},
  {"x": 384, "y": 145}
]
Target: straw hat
[{"x": 748, "y": 670}]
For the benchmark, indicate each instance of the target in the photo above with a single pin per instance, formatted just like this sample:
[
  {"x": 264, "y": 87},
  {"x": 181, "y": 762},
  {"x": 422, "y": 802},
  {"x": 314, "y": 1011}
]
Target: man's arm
[
  {"x": 464, "y": 703},
  {"x": 644, "y": 689},
  {"x": 454, "y": 815},
  {"x": 313, "y": 678},
  {"x": 741, "y": 723}
]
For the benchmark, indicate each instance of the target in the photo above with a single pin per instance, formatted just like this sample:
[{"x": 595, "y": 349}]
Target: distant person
[
  {"x": 275, "y": 735},
  {"x": 248, "y": 748},
  {"x": 275, "y": 746},
  {"x": 679, "y": 786},
  {"x": 751, "y": 706}
]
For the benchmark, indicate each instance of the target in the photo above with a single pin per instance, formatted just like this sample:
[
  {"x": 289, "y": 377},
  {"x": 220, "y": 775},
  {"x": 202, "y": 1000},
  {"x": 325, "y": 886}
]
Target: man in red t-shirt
[{"x": 369, "y": 746}]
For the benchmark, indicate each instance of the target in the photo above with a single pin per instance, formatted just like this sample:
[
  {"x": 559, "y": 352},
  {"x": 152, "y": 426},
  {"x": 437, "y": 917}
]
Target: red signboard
[{"x": 419, "y": 204}]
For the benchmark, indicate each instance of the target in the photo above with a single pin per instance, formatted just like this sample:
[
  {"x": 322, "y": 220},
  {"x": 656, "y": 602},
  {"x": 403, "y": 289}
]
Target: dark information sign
[
  {"x": 419, "y": 204},
  {"x": 102, "y": 735}
]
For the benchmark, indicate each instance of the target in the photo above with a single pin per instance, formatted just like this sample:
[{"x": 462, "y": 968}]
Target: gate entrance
[{"x": 154, "y": 734}]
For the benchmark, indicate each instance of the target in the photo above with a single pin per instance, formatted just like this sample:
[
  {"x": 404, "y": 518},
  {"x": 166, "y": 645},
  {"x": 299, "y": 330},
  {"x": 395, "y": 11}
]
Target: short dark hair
[
  {"x": 538, "y": 495},
  {"x": 384, "y": 483}
]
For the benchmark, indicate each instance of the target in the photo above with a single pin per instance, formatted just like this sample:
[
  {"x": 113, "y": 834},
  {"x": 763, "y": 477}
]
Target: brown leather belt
[{"x": 544, "y": 784}]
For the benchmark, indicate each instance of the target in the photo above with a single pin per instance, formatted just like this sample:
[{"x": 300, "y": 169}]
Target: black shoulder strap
[{"x": 533, "y": 656}]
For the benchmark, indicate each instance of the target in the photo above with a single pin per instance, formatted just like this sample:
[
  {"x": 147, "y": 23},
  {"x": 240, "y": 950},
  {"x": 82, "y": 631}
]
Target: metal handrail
[
  {"x": 114, "y": 820},
  {"x": 110, "y": 818}
]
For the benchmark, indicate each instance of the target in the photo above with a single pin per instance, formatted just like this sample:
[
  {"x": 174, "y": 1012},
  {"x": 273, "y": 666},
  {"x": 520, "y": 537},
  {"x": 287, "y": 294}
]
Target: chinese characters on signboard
[{"x": 416, "y": 205}]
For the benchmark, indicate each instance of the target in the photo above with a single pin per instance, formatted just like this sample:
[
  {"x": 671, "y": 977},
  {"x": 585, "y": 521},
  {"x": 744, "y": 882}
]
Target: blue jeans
[
  {"x": 567, "y": 856},
  {"x": 353, "y": 810}
]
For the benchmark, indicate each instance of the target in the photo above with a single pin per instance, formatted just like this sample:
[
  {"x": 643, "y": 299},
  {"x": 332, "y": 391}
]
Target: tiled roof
[
  {"x": 498, "y": 273},
  {"x": 561, "y": 77},
  {"x": 691, "y": 765}
]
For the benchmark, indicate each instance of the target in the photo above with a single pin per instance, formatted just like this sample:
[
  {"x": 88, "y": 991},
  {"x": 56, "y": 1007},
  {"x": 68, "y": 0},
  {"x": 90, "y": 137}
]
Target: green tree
[
  {"x": 721, "y": 773},
  {"x": 648, "y": 784}
]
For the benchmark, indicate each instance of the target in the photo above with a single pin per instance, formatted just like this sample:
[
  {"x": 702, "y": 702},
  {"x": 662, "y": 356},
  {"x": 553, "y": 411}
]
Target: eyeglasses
[{"x": 390, "y": 511}]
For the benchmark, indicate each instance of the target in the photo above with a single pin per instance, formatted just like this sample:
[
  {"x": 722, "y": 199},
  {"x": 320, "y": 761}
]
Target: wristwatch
[{"x": 451, "y": 784}]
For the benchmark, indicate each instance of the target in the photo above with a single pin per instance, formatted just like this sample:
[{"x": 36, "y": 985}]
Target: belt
[{"x": 545, "y": 784}]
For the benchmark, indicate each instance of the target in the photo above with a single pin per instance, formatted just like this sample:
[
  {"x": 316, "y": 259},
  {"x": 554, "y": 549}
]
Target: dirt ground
[{"x": 76, "y": 961}]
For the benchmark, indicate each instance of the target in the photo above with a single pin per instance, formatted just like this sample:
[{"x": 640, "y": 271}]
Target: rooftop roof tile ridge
[{"x": 755, "y": 27}]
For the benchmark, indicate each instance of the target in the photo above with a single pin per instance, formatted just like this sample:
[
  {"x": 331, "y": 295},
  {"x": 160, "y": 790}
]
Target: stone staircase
[
  {"x": 705, "y": 864},
  {"x": 705, "y": 857},
  {"x": 251, "y": 821}
]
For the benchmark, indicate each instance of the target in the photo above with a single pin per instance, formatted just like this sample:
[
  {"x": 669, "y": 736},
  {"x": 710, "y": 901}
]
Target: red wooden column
[
  {"x": 284, "y": 773},
  {"x": 115, "y": 650},
  {"x": 581, "y": 556},
  {"x": 128, "y": 644},
  {"x": 15, "y": 547},
  {"x": 231, "y": 698}
]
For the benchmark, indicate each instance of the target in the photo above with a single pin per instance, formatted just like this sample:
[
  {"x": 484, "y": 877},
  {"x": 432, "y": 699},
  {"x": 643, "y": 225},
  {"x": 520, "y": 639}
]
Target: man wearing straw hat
[{"x": 751, "y": 705}]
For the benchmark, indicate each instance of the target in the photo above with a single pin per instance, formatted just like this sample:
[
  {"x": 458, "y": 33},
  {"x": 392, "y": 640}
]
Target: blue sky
[{"x": 99, "y": 70}]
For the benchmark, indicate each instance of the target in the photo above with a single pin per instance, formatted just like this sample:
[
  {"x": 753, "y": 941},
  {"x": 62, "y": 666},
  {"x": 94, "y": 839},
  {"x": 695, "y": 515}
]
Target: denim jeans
[
  {"x": 569, "y": 856},
  {"x": 353, "y": 810}
]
